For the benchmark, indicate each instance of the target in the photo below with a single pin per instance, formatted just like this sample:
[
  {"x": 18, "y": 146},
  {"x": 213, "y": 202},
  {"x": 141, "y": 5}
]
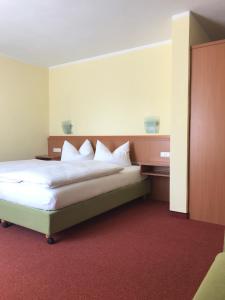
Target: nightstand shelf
[
  {"x": 155, "y": 174},
  {"x": 47, "y": 157},
  {"x": 159, "y": 174},
  {"x": 158, "y": 171}
]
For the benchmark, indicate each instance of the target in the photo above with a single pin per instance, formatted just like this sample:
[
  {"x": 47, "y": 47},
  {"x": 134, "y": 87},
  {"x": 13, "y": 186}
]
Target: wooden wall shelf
[
  {"x": 152, "y": 170},
  {"x": 145, "y": 151}
]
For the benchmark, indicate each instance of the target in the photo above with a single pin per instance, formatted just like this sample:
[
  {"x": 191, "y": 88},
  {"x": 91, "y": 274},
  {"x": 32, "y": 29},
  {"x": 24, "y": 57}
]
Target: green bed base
[{"x": 50, "y": 222}]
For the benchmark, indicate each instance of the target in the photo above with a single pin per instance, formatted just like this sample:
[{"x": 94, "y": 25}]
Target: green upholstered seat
[{"x": 213, "y": 285}]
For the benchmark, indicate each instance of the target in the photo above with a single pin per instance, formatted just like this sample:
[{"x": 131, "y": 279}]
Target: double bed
[{"x": 51, "y": 210}]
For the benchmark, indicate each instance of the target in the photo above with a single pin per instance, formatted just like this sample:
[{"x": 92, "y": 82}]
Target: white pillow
[
  {"x": 120, "y": 156},
  {"x": 69, "y": 152}
]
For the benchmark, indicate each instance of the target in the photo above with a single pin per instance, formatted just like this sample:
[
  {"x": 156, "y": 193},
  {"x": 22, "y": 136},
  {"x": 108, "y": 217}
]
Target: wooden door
[{"x": 207, "y": 134}]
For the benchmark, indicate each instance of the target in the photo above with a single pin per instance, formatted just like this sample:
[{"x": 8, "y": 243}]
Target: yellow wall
[
  {"x": 186, "y": 31},
  {"x": 23, "y": 110},
  {"x": 112, "y": 95}
]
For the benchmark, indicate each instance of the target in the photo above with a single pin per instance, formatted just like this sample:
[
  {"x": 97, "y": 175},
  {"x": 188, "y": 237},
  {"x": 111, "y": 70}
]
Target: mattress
[{"x": 36, "y": 196}]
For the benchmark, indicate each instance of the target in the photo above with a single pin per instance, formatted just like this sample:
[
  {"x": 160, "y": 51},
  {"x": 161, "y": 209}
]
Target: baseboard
[{"x": 179, "y": 214}]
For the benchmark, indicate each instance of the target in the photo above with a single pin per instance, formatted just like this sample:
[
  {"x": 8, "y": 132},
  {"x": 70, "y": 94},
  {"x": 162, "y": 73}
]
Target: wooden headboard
[{"x": 144, "y": 149}]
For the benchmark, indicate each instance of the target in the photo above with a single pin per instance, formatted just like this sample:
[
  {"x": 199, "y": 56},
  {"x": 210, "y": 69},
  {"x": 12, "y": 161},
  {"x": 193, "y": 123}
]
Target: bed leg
[
  {"x": 50, "y": 240},
  {"x": 5, "y": 224}
]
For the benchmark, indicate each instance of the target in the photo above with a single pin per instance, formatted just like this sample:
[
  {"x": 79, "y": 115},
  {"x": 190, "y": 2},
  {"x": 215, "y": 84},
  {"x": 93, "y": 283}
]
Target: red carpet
[{"x": 135, "y": 252}]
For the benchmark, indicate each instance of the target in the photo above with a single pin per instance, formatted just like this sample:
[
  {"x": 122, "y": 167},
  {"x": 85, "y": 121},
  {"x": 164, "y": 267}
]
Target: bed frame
[{"x": 51, "y": 222}]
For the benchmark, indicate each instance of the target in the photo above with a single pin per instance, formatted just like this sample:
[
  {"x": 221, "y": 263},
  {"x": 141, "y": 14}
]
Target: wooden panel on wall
[
  {"x": 207, "y": 134},
  {"x": 144, "y": 148},
  {"x": 160, "y": 189}
]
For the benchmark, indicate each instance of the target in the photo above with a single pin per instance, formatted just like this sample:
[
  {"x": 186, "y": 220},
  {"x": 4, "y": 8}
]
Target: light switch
[
  {"x": 164, "y": 154},
  {"x": 57, "y": 150}
]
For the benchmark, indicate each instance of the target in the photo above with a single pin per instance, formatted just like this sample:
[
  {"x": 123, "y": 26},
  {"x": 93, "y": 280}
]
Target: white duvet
[{"x": 54, "y": 173}]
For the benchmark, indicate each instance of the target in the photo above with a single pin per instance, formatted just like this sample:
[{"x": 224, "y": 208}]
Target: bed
[{"x": 50, "y": 219}]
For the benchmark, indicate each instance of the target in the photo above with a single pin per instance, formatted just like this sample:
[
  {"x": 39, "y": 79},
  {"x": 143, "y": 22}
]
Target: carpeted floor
[{"x": 137, "y": 251}]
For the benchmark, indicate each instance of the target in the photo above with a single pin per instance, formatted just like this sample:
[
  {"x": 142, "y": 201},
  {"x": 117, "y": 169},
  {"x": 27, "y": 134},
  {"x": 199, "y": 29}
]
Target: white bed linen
[
  {"x": 45, "y": 198},
  {"x": 56, "y": 173}
]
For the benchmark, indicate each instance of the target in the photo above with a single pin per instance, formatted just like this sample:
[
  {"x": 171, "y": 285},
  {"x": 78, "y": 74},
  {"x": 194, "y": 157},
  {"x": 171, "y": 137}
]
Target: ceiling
[{"x": 52, "y": 32}]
